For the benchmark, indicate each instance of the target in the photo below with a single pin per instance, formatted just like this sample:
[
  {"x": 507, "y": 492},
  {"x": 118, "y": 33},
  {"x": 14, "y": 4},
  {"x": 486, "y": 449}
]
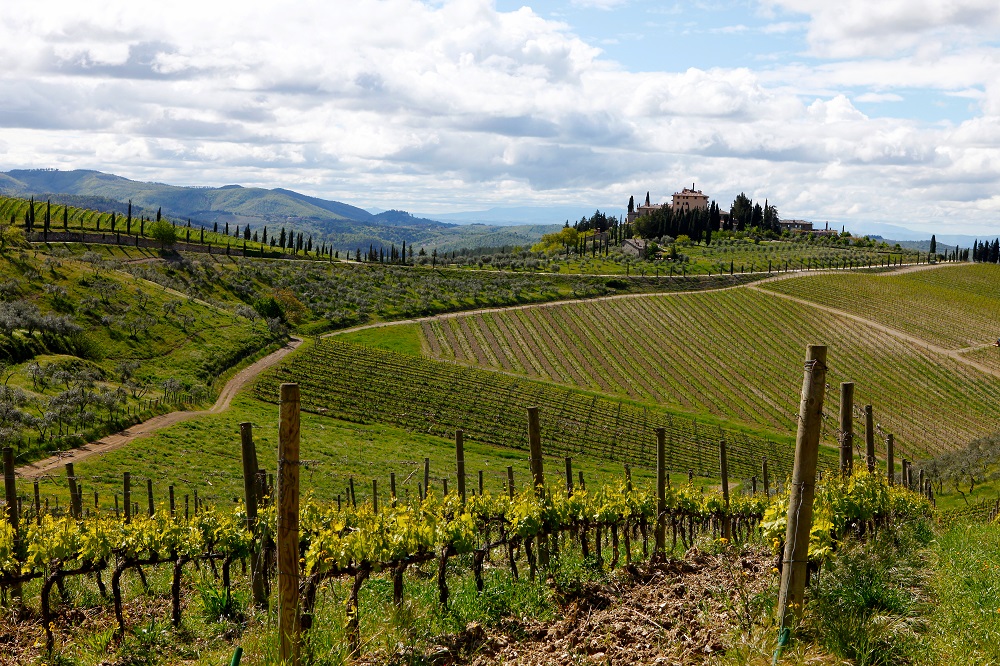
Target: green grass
[
  {"x": 203, "y": 455},
  {"x": 965, "y": 621},
  {"x": 402, "y": 339}
]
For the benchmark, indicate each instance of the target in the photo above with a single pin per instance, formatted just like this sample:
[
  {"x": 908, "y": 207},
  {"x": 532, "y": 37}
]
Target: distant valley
[{"x": 347, "y": 227}]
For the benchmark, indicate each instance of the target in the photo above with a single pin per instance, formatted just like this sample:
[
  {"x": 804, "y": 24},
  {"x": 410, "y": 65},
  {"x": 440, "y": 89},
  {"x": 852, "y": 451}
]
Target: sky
[{"x": 852, "y": 112}]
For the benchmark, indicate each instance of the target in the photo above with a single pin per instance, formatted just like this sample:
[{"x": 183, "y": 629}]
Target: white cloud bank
[{"x": 400, "y": 103}]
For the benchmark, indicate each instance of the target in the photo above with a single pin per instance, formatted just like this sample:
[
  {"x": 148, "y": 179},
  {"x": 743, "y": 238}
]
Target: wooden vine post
[
  {"x": 846, "y": 428},
  {"x": 537, "y": 474},
  {"x": 802, "y": 491},
  {"x": 288, "y": 525},
  {"x": 75, "y": 508},
  {"x": 460, "y": 463},
  {"x": 10, "y": 495},
  {"x": 766, "y": 477},
  {"x": 127, "y": 495},
  {"x": 249, "y": 455},
  {"x": 890, "y": 462},
  {"x": 870, "y": 439},
  {"x": 661, "y": 491},
  {"x": 727, "y": 523}
]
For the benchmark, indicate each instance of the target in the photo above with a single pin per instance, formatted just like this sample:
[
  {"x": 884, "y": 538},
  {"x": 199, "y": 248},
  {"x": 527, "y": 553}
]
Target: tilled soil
[{"x": 676, "y": 612}]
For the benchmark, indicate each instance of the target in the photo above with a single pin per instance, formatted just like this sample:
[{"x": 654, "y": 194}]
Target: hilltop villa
[{"x": 686, "y": 199}]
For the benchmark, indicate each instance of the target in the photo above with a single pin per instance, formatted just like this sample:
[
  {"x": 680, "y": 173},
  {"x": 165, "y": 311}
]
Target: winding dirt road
[{"x": 54, "y": 463}]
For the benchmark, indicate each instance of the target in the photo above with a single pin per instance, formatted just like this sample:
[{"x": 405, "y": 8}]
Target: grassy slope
[
  {"x": 191, "y": 344},
  {"x": 736, "y": 355},
  {"x": 951, "y": 306}
]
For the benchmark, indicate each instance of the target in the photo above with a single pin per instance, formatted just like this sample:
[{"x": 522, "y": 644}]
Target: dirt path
[{"x": 119, "y": 439}]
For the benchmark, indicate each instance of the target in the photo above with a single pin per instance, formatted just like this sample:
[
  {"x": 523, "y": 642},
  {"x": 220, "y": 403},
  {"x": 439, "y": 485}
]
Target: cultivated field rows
[
  {"x": 953, "y": 306},
  {"x": 367, "y": 385},
  {"x": 734, "y": 354}
]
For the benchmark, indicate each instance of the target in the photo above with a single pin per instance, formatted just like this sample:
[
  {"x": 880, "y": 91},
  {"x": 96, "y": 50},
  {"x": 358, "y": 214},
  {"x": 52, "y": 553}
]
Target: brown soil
[
  {"x": 111, "y": 442},
  {"x": 677, "y": 612}
]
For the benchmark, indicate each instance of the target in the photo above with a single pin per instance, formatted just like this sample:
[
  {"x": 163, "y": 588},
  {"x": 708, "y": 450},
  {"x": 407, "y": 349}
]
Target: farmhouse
[
  {"x": 803, "y": 227},
  {"x": 687, "y": 199}
]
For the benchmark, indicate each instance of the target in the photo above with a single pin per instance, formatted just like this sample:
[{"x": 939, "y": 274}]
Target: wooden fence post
[
  {"x": 10, "y": 494},
  {"x": 249, "y": 455},
  {"x": 392, "y": 488},
  {"x": 661, "y": 503},
  {"x": 767, "y": 479},
  {"x": 870, "y": 439},
  {"x": 149, "y": 495},
  {"x": 890, "y": 462},
  {"x": 38, "y": 504},
  {"x": 460, "y": 463},
  {"x": 427, "y": 477},
  {"x": 569, "y": 476},
  {"x": 802, "y": 491},
  {"x": 727, "y": 524},
  {"x": 288, "y": 525},
  {"x": 537, "y": 474},
  {"x": 846, "y": 429},
  {"x": 75, "y": 508},
  {"x": 510, "y": 481},
  {"x": 127, "y": 495}
]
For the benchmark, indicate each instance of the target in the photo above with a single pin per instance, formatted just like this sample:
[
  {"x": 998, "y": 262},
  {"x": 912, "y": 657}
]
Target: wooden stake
[
  {"x": 510, "y": 481},
  {"x": 537, "y": 474},
  {"x": 727, "y": 525},
  {"x": 802, "y": 491},
  {"x": 127, "y": 495},
  {"x": 427, "y": 477},
  {"x": 460, "y": 463},
  {"x": 870, "y": 439},
  {"x": 75, "y": 509},
  {"x": 661, "y": 502},
  {"x": 149, "y": 495},
  {"x": 10, "y": 494},
  {"x": 288, "y": 525},
  {"x": 249, "y": 455},
  {"x": 569, "y": 476},
  {"x": 890, "y": 462},
  {"x": 846, "y": 428},
  {"x": 392, "y": 487}
]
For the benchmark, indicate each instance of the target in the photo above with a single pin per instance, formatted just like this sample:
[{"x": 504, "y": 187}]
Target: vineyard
[
  {"x": 368, "y": 385},
  {"x": 953, "y": 306},
  {"x": 438, "y": 536},
  {"x": 731, "y": 354}
]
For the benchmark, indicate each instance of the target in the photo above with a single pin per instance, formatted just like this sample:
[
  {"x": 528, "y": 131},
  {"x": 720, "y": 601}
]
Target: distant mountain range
[{"x": 347, "y": 227}]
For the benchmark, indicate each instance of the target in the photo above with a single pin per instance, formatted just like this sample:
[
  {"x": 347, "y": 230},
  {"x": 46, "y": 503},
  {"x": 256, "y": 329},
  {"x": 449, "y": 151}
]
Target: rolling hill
[{"x": 347, "y": 227}]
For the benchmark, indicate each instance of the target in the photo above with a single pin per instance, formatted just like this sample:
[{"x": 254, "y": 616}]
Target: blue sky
[{"x": 855, "y": 112}]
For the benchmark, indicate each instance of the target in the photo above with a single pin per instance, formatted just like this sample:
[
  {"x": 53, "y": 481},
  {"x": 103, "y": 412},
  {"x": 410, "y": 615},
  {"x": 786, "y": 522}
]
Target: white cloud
[
  {"x": 878, "y": 98},
  {"x": 399, "y": 103},
  {"x": 852, "y": 28},
  {"x": 600, "y": 4}
]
